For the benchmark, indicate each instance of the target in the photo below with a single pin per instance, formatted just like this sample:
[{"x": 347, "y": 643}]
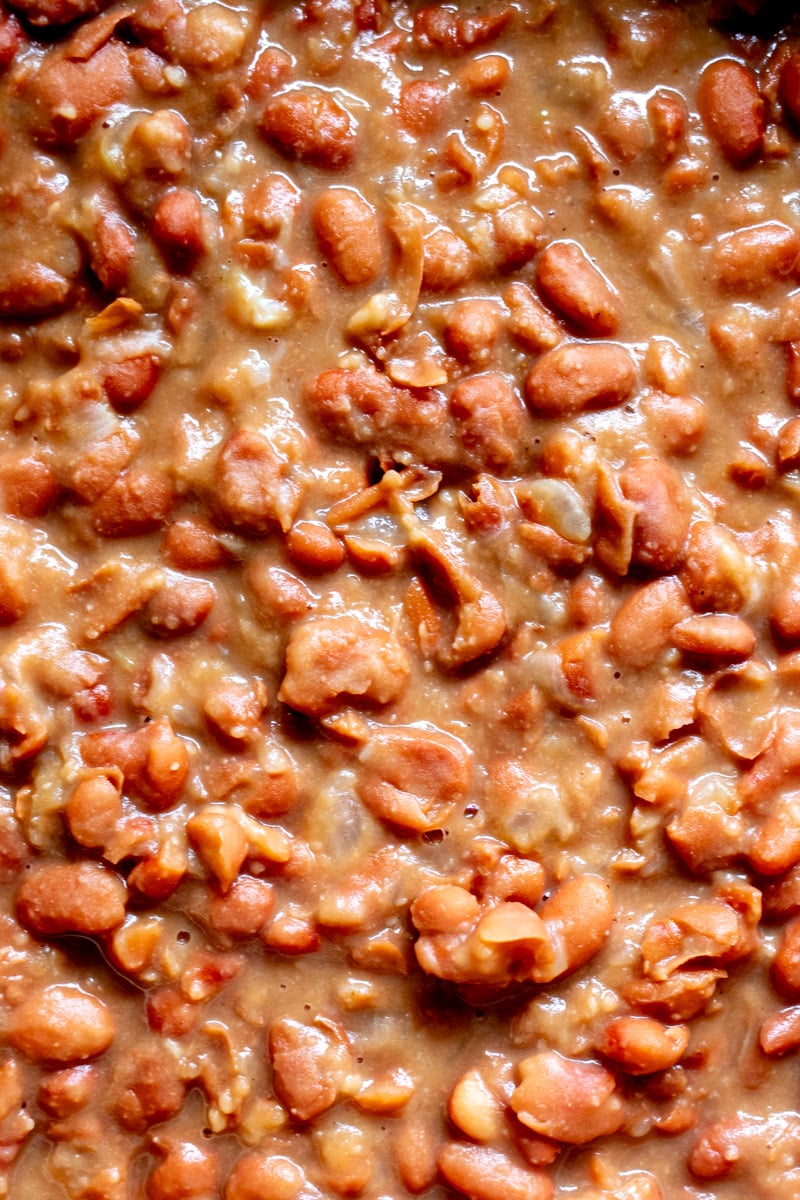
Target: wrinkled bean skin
[
  {"x": 732, "y": 109},
  {"x": 61, "y": 1024},
  {"x": 572, "y": 378},
  {"x": 333, "y": 657}
]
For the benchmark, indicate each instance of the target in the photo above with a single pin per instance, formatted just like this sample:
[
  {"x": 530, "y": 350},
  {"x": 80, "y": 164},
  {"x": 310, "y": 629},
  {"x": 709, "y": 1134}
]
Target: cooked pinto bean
[
  {"x": 153, "y": 759},
  {"x": 571, "y": 284},
  {"x": 784, "y": 612},
  {"x": 180, "y": 606},
  {"x": 311, "y": 126},
  {"x": 311, "y": 1065},
  {"x": 67, "y": 97},
  {"x": 93, "y": 809},
  {"x": 414, "y": 778},
  {"x": 490, "y": 418},
  {"x": 333, "y": 658},
  {"x": 640, "y": 628},
  {"x": 138, "y": 502},
  {"x": 732, "y": 109},
  {"x": 441, "y": 29},
  {"x": 751, "y": 258},
  {"x": 472, "y": 328},
  {"x": 661, "y": 523},
  {"x": 789, "y": 88},
  {"x": 61, "y": 1024},
  {"x": 261, "y": 1176},
  {"x": 46, "y": 13},
  {"x": 715, "y": 637},
  {"x": 186, "y": 1170},
  {"x": 566, "y": 1099},
  {"x": 79, "y": 897},
  {"x": 786, "y": 965},
  {"x": 482, "y": 1173},
  {"x": 128, "y": 383},
  {"x": 349, "y": 234},
  {"x": 575, "y": 377},
  {"x": 254, "y": 488},
  {"x": 144, "y": 1089},
  {"x": 641, "y": 1045}
]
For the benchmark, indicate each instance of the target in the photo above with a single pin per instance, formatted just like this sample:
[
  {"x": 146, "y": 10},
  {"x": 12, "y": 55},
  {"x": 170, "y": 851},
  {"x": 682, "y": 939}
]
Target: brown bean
[
  {"x": 244, "y": 909},
  {"x": 641, "y": 626},
  {"x": 129, "y": 382},
  {"x": 443, "y": 31},
  {"x": 447, "y": 261},
  {"x": 571, "y": 284},
  {"x": 486, "y": 75},
  {"x": 67, "y": 97},
  {"x": 253, "y": 486},
  {"x": 93, "y": 809},
  {"x": 420, "y": 106},
  {"x": 784, "y": 609},
  {"x": 144, "y": 1089},
  {"x": 314, "y": 547},
  {"x": 490, "y": 417},
  {"x": 566, "y": 1099},
  {"x": 578, "y": 376},
  {"x": 529, "y": 322},
  {"x": 350, "y": 235},
  {"x": 80, "y": 897},
  {"x": 716, "y": 1151},
  {"x": 178, "y": 228},
  {"x": 262, "y": 1176},
  {"x": 153, "y": 759},
  {"x": 661, "y": 523},
  {"x": 676, "y": 423},
  {"x": 751, "y": 258},
  {"x": 67, "y": 1091},
  {"x": 138, "y": 502},
  {"x": 28, "y": 484},
  {"x": 61, "y": 1024},
  {"x": 732, "y": 109},
  {"x": 577, "y": 919},
  {"x": 187, "y": 1170},
  {"x": 641, "y": 1045},
  {"x": 714, "y": 636},
  {"x": 472, "y": 329},
  {"x": 180, "y": 606},
  {"x": 780, "y": 1032},
  {"x": 192, "y": 545},
  {"x": 786, "y": 964},
  {"x": 789, "y": 86},
  {"x": 717, "y": 573},
  {"x": 330, "y": 659},
  {"x": 483, "y": 1173},
  {"x": 413, "y": 778},
  {"x": 310, "y": 1065},
  {"x": 311, "y": 126}
]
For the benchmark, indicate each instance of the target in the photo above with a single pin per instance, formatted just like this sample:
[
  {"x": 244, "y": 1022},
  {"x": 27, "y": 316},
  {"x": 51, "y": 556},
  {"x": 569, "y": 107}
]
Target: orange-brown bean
[
  {"x": 314, "y": 547},
  {"x": 487, "y": 74},
  {"x": 784, "y": 609},
  {"x": 420, "y": 106},
  {"x": 93, "y": 809},
  {"x": 472, "y": 329},
  {"x": 79, "y": 897},
  {"x": 489, "y": 416},
  {"x": 578, "y": 919},
  {"x": 578, "y": 376},
  {"x": 483, "y": 1173},
  {"x": 61, "y": 1024},
  {"x": 641, "y": 1045},
  {"x": 138, "y": 501},
  {"x": 186, "y": 1170},
  {"x": 715, "y": 636},
  {"x": 641, "y": 626},
  {"x": 732, "y": 109},
  {"x": 350, "y": 235},
  {"x": 311, "y": 126},
  {"x": 566, "y": 1099},
  {"x": 447, "y": 261},
  {"x": 262, "y": 1176},
  {"x": 661, "y": 524},
  {"x": 780, "y": 1032},
  {"x": 571, "y": 284},
  {"x": 786, "y": 964},
  {"x": 178, "y": 228},
  {"x": 751, "y": 258}
]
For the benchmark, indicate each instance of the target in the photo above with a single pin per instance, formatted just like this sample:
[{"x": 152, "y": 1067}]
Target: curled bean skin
[{"x": 575, "y": 377}]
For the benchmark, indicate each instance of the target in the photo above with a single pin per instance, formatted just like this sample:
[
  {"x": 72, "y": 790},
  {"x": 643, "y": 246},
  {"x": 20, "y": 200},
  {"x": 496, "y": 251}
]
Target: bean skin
[
  {"x": 571, "y": 284},
  {"x": 732, "y": 110},
  {"x": 578, "y": 376},
  {"x": 61, "y": 1024},
  {"x": 780, "y": 1032},
  {"x": 77, "y": 897},
  {"x": 577, "y": 919},
  {"x": 349, "y": 234}
]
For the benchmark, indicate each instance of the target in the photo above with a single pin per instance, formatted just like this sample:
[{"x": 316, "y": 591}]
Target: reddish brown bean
[
  {"x": 329, "y": 659},
  {"x": 186, "y": 1170},
  {"x": 47, "y": 13},
  {"x": 566, "y": 1099},
  {"x": 180, "y": 606},
  {"x": 641, "y": 1045},
  {"x": 153, "y": 759},
  {"x": 138, "y": 502},
  {"x": 780, "y": 1032},
  {"x": 443, "y": 31},
  {"x": 93, "y": 809},
  {"x": 414, "y": 778},
  {"x": 314, "y": 547},
  {"x": 420, "y": 106},
  {"x": 254, "y": 490},
  {"x": 483, "y": 1173},
  {"x": 262, "y": 1176},
  {"x": 786, "y": 964},
  {"x": 472, "y": 329},
  {"x": 349, "y": 234},
  {"x": 751, "y": 258},
  {"x": 571, "y": 284},
  {"x": 579, "y": 376},
  {"x": 641, "y": 626},
  {"x": 192, "y": 545},
  {"x": 67, "y": 1091},
  {"x": 80, "y": 897},
  {"x": 144, "y": 1089},
  {"x": 61, "y": 1024},
  {"x": 784, "y": 609},
  {"x": 129, "y": 382},
  {"x": 310, "y": 1065},
  {"x": 447, "y": 261},
  {"x": 714, "y": 636},
  {"x": 178, "y": 228},
  {"x": 732, "y": 109},
  {"x": 661, "y": 523},
  {"x": 311, "y": 126},
  {"x": 244, "y": 909},
  {"x": 67, "y": 96}
]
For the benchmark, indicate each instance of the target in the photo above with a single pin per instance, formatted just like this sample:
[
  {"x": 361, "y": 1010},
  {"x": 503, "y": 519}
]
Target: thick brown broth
[{"x": 400, "y": 600}]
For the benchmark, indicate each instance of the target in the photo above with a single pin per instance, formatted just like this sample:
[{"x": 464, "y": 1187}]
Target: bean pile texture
[{"x": 399, "y": 600}]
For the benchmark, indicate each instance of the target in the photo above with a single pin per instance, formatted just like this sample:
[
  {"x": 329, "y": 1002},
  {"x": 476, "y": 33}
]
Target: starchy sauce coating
[{"x": 399, "y": 600}]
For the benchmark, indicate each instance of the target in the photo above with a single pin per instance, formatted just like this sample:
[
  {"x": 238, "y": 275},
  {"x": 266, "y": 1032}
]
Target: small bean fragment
[
  {"x": 780, "y": 1032},
  {"x": 61, "y": 1024},
  {"x": 732, "y": 109},
  {"x": 579, "y": 376},
  {"x": 571, "y": 284}
]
